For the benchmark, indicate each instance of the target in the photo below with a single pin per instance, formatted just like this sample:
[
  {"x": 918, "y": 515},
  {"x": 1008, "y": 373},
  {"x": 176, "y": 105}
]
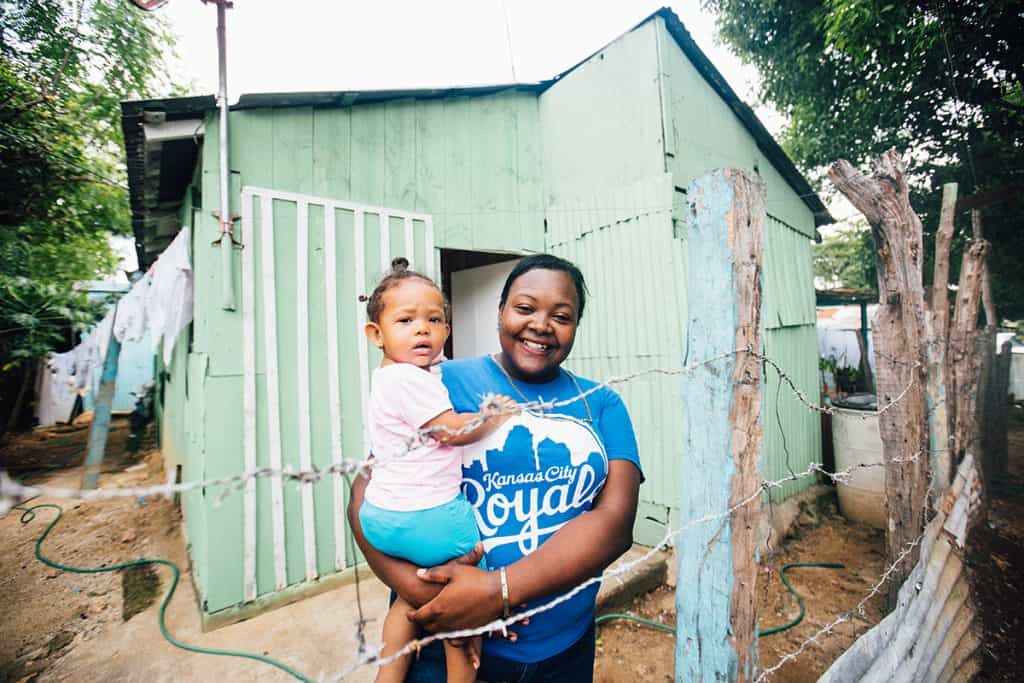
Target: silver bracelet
[{"x": 505, "y": 611}]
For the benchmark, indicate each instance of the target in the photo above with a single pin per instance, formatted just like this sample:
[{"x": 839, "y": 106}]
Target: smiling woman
[
  {"x": 541, "y": 306},
  {"x": 528, "y": 483}
]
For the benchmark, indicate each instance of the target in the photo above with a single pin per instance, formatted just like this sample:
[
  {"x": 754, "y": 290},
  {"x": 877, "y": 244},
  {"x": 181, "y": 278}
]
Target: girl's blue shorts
[{"x": 426, "y": 538}]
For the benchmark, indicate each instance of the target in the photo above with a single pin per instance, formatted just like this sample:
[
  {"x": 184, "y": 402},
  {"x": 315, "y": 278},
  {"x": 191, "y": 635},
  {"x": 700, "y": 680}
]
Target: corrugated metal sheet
[
  {"x": 931, "y": 635},
  {"x": 788, "y": 276},
  {"x": 792, "y": 431},
  {"x": 623, "y": 242},
  {"x": 703, "y": 132}
]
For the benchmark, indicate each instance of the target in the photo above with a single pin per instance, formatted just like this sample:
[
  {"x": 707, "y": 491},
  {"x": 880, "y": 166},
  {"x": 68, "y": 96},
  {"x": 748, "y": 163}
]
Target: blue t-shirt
[{"x": 532, "y": 476}]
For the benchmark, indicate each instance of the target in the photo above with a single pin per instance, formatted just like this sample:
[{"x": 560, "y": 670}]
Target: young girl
[{"x": 414, "y": 508}]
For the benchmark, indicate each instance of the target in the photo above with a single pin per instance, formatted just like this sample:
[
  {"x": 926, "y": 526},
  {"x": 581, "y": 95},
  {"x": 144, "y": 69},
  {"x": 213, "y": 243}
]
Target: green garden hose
[
  {"x": 767, "y": 632},
  {"x": 656, "y": 624},
  {"x": 799, "y": 600},
  {"x": 29, "y": 514}
]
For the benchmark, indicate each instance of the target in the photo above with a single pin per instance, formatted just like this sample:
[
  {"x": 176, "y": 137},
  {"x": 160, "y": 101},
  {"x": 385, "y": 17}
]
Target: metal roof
[
  {"x": 150, "y": 195},
  {"x": 159, "y": 175}
]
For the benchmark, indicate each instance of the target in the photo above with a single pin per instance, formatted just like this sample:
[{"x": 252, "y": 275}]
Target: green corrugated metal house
[{"x": 591, "y": 165}]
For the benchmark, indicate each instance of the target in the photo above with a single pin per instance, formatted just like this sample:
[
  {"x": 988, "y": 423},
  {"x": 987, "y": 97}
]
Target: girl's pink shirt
[{"x": 403, "y": 398}]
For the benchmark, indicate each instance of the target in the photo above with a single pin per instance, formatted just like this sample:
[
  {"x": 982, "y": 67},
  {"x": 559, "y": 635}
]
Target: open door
[{"x": 472, "y": 281}]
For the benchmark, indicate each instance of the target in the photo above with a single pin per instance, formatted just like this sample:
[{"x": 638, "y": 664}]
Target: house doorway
[{"x": 472, "y": 281}]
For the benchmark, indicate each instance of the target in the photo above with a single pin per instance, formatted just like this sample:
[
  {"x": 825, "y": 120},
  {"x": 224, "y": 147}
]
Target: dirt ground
[
  {"x": 46, "y": 610},
  {"x": 84, "y": 628},
  {"x": 996, "y": 560},
  {"x": 629, "y": 651}
]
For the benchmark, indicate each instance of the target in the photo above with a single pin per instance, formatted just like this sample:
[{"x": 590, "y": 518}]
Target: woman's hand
[
  {"x": 470, "y": 597},
  {"x": 398, "y": 574}
]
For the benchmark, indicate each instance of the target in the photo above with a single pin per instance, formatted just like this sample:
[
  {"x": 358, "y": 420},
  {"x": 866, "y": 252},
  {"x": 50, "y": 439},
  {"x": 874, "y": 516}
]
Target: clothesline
[{"x": 159, "y": 303}]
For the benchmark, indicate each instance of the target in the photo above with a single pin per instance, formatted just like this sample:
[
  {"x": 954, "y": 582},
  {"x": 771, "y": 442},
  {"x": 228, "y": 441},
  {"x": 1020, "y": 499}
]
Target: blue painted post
[
  {"x": 716, "y": 613},
  {"x": 102, "y": 409}
]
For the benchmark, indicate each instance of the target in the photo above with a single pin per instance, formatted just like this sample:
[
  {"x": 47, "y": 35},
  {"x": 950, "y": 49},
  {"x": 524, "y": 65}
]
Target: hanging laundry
[
  {"x": 170, "y": 295},
  {"x": 159, "y": 303},
  {"x": 55, "y": 397},
  {"x": 89, "y": 355},
  {"x": 132, "y": 318}
]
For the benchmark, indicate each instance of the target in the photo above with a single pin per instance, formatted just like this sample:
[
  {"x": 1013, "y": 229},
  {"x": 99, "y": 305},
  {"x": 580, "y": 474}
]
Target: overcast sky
[{"x": 302, "y": 45}]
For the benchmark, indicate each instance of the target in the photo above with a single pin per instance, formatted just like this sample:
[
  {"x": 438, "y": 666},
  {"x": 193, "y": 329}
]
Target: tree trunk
[
  {"x": 899, "y": 352},
  {"x": 987, "y": 352},
  {"x": 986, "y": 281},
  {"x": 19, "y": 400}
]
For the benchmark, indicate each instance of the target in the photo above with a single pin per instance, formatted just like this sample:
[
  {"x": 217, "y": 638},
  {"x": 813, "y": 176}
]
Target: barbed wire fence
[{"x": 367, "y": 652}]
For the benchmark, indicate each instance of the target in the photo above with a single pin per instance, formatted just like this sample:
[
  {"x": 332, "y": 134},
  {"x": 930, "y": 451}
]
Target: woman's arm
[
  {"x": 399, "y": 575},
  {"x": 579, "y": 550}
]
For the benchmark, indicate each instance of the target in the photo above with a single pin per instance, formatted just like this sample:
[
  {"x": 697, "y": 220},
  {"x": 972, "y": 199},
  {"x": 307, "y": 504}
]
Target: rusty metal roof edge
[
  {"x": 347, "y": 98},
  {"x": 132, "y": 116}
]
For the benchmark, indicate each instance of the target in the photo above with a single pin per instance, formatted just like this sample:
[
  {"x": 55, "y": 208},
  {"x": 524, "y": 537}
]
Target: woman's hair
[
  {"x": 548, "y": 262},
  {"x": 399, "y": 271}
]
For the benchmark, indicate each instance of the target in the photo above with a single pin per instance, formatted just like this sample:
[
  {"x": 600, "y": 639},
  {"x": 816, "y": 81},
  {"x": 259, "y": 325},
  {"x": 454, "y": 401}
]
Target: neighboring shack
[{"x": 590, "y": 165}]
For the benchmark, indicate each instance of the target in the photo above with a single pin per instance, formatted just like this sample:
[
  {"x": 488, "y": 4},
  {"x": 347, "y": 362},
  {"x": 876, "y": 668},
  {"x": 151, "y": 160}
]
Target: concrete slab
[
  {"x": 619, "y": 592},
  {"x": 315, "y": 636}
]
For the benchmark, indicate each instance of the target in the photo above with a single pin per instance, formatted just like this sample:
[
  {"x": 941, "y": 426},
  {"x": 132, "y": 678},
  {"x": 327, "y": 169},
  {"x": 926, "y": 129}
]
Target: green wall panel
[
  {"x": 225, "y": 519},
  {"x": 792, "y": 431},
  {"x": 601, "y": 123},
  {"x": 197, "y": 522},
  {"x": 788, "y": 275},
  {"x": 707, "y": 135}
]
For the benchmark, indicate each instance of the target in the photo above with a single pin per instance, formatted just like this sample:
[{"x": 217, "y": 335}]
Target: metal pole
[
  {"x": 226, "y": 240},
  {"x": 103, "y": 409}
]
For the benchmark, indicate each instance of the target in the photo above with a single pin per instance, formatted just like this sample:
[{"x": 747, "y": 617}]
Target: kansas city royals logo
[{"x": 530, "y": 477}]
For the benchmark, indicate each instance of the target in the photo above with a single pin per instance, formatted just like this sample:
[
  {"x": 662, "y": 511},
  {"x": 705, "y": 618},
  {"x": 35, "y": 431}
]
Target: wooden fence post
[
  {"x": 986, "y": 342},
  {"x": 963, "y": 359},
  {"x": 937, "y": 335},
  {"x": 716, "y": 610},
  {"x": 899, "y": 325}
]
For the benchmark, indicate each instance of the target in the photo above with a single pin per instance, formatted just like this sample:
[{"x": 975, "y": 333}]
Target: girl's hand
[
  {"x": 499, "y": 406},
  {"x": 472, "y": 558},
  {"x": 471, "y": 597}
]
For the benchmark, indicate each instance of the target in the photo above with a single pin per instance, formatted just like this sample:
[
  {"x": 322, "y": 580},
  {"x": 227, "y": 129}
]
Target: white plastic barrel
[{"x": 856, "y": 441}]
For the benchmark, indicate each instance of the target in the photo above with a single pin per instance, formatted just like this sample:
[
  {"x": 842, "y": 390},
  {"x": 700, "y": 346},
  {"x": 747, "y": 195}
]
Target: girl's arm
[
  {"x": 579, "y": 550},
  {"x": 399, "y": 575},
  {"x": 447, "y": 427}
]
